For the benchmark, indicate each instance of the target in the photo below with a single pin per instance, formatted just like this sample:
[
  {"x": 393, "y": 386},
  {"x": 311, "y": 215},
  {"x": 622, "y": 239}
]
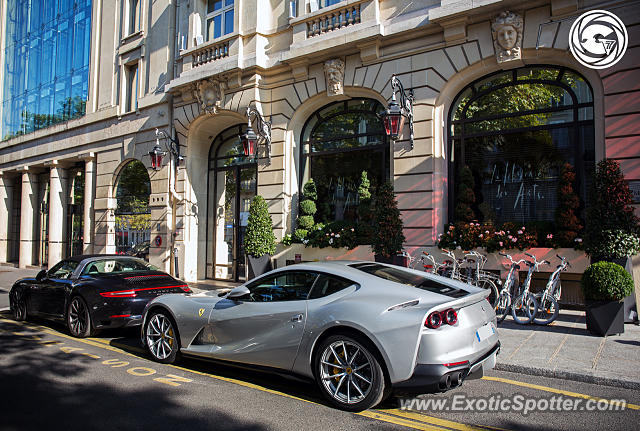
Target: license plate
[{"x": 485, "y": 332}]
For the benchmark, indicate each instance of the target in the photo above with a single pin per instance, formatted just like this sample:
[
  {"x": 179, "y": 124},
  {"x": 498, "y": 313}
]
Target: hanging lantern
[
  {"x": 393, "y": 119},
  {"x": 249, "y": 142},
  {"x": 156, "y": 155}
]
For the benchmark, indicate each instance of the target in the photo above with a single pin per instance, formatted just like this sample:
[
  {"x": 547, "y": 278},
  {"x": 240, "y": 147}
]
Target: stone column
[
  {"x": 89, "y": 196},
  {"x": 29, "y": 210},
  {"x": 5, "y": 216},
  {"x": 57, "y": 213}
]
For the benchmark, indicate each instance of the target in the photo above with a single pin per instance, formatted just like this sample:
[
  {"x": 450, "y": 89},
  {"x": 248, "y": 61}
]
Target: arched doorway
[
  {"x": 515, "y": 130},
  {"x": 232, "y": 184},
  {"x": 133, "y": 216},
  {"x": 339, "y": 141}
]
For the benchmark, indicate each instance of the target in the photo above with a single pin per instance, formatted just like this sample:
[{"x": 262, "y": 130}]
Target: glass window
[
  {"x": 403, "y": 276},
  {"x": 328, "y": 285},
  {"x": 134, "y": 16},
  {"x": 63, "y": 269},
  {"x": 39, "y": 93},
  {"x": 133, "y": 216},
  {"x": 115, "y": 266},
  {"x": 131, "y": 88},
  {"x": 339, "y": 142},
  {"x": 219, "y": 18},
  {"x": 285, "y": 286},
  {"x": 515, "y": 130}
]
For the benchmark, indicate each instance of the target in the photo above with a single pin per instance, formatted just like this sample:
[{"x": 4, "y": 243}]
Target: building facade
[{"x": 320, "y": 72}]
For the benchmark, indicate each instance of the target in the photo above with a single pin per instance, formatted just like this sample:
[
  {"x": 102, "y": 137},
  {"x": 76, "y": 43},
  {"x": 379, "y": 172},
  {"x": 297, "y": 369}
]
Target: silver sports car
[{"x": 359, "y": 329}]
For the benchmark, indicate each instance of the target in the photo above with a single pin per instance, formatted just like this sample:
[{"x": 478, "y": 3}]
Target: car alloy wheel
[
  {"x": 19, "y": 306},
  {"x": 161, "y": 339},
  {"x": 349, "y": 374},
  {"x": 78, "y": 318}
]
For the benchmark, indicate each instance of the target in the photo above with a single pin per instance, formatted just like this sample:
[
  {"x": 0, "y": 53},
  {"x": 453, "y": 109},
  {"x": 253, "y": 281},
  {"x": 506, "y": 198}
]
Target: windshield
[
  {"x": 117, "y": 266},
  {"x": 402, "y": 276}
]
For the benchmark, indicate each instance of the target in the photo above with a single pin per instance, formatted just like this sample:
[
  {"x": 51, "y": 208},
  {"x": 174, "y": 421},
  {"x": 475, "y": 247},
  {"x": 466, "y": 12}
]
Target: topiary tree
[
  {"x": 567, "y": 222},
  {"x": 365, "y": 211},
  {"x": 606, "y": 281},
  {"x": 609, "y": 210},
  {"x": 259, "y": 238},
  {"x": 388, "y": 237},
  {"x": 465, "y": 197},
  {"x": 305, "y": 221}
]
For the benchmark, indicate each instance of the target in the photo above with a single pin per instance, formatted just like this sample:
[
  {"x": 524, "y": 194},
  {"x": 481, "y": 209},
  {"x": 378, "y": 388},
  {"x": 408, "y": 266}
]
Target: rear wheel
[
  {"x": 18, "y": 305},
  {"x": 524, "y": 308},
  {"x": 548, "y": 309},
  {"x": 485, "y": 283},
  {"x": 161, "y": 338},
  {"x": 503, "y": 307},
  {"x": 78, "y": 318},
  {"x": 348, "y": 373}
]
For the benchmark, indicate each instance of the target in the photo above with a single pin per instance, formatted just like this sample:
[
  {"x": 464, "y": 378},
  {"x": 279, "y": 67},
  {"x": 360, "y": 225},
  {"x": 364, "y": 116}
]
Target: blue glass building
[{"x": 46, "y": 63}]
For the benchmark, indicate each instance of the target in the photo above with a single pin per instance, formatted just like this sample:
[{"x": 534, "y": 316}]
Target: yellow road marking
[
  {"x": 91, "y": 355},
  {"x": 420, "y": 422},
  {"x": 555, "y": 391},
  {"x": 434, "y": 420},
  {"x": 67, "y": 349},
  {"x": 141, "y": 371}
]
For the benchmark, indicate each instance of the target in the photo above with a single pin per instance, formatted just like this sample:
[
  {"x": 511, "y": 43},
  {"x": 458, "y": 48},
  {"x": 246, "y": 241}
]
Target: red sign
[{"x": 158, "y": 241}]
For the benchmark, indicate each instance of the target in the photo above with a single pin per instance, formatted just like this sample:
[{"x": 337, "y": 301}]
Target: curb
[{"x": 568, "y": 375}]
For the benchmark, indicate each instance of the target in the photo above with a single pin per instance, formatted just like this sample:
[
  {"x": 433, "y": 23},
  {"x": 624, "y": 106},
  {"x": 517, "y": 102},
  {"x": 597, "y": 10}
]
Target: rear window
[{"x": 399, "y": 275}]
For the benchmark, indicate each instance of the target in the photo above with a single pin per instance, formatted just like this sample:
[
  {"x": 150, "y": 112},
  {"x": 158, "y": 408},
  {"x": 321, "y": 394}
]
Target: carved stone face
[
  {"x": 507, "y": 36},
  {"x": 334, "y": 71}
]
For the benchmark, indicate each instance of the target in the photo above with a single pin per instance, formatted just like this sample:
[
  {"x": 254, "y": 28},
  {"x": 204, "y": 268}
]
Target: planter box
[
  {"x": 605, "y": 317},
  {"x": 629, "y": 301},
  {"x": 398, "y": 260},
  {"x": 258, "y": 265}
]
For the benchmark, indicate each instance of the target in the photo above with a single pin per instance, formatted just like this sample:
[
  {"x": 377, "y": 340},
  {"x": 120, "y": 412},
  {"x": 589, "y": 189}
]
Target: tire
[
  {"x": 485, "y": 283},
  {"x": 161, "y": 338},
  {"x": 18, "y": 305},
  {"x": 524, "y": 308},
  {"x": 503, "y": 306},
  {"x": 547, "y": 311},
  {"x": 78, "y": 318},
  {"x": 361, "y": 371}
]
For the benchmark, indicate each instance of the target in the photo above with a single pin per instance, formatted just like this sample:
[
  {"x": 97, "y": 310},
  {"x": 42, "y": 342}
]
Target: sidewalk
[{"x": 566, "y": 350}]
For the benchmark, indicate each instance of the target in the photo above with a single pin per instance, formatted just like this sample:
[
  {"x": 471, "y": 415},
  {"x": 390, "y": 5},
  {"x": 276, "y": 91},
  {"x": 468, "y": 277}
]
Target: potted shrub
[
  {"x": 259, "y": 240},
  {"x": 605, "y": 285},
  {"x": 612, "y": 228},
  {"x": 388, "y": 237}
]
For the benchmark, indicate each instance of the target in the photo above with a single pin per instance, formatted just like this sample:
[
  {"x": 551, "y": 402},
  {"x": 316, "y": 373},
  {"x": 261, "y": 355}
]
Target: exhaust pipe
[{"x": 457, "y": 379}]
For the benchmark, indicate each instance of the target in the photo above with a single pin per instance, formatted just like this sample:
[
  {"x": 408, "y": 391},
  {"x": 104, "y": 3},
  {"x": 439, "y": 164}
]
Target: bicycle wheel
[
  {"x": 524, "y": 308},
  {"x": 548, "y": 309},
  {"x": 558, "y": 291},
  {"x": 485, "y": 283},
  {"x": 503, "y": 306}
]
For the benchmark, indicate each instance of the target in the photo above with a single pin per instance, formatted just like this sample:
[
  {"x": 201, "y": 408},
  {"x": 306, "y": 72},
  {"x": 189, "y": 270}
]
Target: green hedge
[{"x": 606, "y": 281}]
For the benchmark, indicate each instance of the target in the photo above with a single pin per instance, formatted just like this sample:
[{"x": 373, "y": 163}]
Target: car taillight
[
  {"x": 185, "y": 288},
  {"x": 428, "y": 267},
  {"x": 119, "y": 294},
  {"x": 437, "y": 318}
]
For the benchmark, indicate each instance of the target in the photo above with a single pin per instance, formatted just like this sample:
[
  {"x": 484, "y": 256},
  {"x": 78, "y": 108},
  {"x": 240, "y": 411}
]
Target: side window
[
  {"x": 285, "y": 286},
  {"x": 63, "y": 269},
  {"x": 327, "y": 285}
]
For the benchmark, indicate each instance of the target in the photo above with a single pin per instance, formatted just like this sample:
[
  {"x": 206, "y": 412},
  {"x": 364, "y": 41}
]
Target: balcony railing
[
  {"x": 209, "y": 53},
  {"x": 333, "y": 20}
]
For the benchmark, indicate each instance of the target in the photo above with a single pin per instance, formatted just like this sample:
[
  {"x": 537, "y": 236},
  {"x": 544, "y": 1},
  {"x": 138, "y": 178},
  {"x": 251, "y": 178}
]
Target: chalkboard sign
[{"x": 634, "y": 186}]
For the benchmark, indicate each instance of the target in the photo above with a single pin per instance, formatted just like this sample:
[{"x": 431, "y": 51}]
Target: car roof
[{"x": 81, "y": 257}]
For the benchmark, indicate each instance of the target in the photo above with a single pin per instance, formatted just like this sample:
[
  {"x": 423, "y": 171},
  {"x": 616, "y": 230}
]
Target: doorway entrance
[{"x": 232, "y": 185}]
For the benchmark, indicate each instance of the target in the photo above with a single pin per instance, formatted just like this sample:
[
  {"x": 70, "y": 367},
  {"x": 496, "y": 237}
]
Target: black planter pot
[
  {"x": 605, "y": 317},
  {"x": 258, "y": 265},
  {"x": 629, "y": 301},
  {"x": 399, "y": 260}
]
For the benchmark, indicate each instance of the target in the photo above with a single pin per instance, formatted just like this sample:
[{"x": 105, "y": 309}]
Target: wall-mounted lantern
[
  {"x": 250, "y": 139},
  {"x": 396, "y": 113}
]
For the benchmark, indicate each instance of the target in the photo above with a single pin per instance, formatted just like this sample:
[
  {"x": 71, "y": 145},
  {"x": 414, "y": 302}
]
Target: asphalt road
[{"x": 50, "y": 380}]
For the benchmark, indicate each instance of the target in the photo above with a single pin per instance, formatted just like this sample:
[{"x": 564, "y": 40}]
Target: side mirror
[
  {"x": 41, "y": 275},
  {"x": 238, "y": 292}
]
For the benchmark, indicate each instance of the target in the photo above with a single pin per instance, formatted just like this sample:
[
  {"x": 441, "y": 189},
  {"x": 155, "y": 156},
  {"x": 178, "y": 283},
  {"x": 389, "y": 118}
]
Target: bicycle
[
  {"x": 480, "y": 278},
  {"x": 503, "y": 306},
  {"x": 548, "y": 308},
  {"x": 525, "y": 306}
]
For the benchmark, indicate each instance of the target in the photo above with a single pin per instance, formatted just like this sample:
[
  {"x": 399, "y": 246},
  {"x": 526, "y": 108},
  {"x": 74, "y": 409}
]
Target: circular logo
[
  {"x": 158, "y": 241},
  {"x": 598, "y": 39}
]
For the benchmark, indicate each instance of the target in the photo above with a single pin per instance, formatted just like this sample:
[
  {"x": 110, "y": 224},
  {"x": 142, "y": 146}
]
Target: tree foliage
[
  {"x": 568, "y": 224},
  {"x": 259, "y": 238},
  {"x": 388, "y": 238},
  {"x": 465, "y": 197}
]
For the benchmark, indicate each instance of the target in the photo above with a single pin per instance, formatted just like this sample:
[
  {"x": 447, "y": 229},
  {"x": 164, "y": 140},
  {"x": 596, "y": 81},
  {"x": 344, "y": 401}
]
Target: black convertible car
[{"x": 92, "y": 292}]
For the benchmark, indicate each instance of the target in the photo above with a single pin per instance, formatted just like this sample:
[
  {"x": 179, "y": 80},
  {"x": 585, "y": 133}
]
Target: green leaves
[
  {"x": 388, "y": 238},
  {"x": 606, "y": 281},
  {"x": 259, "y": 238}
]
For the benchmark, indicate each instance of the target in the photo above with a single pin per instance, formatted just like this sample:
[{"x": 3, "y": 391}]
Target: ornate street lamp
[
  {"x": 394, "y": 116},
  {"x": 250, "y": 139},
  {"x": 157, "y": 154}
]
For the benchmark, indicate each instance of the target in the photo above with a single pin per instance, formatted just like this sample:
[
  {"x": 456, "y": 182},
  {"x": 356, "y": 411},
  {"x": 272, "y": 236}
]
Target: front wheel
[
  {"x": 548, "y": 309},
  {"x": 524, "y": 308},
  {"x": 349, "y": 374},
  {"x": 503, "y": 307},
  {"x": 160, "y": 338},
  {"x": 78, "y": 318},
  {"x": 18, "y": 304}
]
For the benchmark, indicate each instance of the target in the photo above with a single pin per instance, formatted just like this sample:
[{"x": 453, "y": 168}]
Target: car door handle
[{"x": 297, "y": 318}]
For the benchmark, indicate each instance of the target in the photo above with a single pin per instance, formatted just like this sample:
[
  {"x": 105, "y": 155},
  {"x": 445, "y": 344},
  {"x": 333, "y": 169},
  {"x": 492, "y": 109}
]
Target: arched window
[
  {"x": 133, "y": 216},
  {"x": 515, "y": 130},
  {"x": 339, "y": 142}
]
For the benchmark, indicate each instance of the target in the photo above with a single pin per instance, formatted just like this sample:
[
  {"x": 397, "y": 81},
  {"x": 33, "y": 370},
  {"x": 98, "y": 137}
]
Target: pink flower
[
  {"x": 515, "y": 240},
  {"x": 550, "y": 236},
  {"x": 522, "y": 227},
  {"x": 578, "y": 239},
  {"x": 487, "y": 232},
  {"x": 480, "y": 236},
  {"x": 510, "y": 237},
  {"x": 519, "y": 232},
  {"x": 500, "y": 243}
]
